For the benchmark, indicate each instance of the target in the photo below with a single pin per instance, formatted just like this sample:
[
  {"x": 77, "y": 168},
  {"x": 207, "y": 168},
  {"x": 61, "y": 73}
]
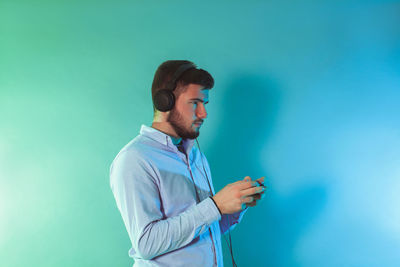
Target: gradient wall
[{"x": 307, "y": 94}]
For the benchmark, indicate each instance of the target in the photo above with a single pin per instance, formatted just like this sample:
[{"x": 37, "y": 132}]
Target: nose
[{"x": 201, "y": 111}]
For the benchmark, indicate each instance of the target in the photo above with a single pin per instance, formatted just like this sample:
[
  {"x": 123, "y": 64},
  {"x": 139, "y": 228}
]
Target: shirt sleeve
[
  {"x": 134, "y": 184},
  {"x": 229, "y": 221}
]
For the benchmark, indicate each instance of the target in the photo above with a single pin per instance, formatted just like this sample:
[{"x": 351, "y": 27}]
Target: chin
[{"x": 193, "y": 135}]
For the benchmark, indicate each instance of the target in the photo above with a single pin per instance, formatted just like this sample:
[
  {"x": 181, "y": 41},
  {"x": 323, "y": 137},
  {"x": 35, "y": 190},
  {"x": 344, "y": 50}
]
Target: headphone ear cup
[{"x": 164, "y": 100}]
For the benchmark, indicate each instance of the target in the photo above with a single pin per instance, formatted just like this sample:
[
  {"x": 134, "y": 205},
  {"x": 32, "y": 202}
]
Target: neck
[{"x": 166, "y": 128}]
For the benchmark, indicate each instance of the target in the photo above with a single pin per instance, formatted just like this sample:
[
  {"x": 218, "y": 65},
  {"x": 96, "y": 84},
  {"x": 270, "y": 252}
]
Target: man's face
[{"x": 189, "y": 112}]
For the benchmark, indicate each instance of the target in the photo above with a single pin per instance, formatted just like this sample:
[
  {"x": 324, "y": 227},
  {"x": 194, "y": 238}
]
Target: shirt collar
[{"x": 165, "y": 139}]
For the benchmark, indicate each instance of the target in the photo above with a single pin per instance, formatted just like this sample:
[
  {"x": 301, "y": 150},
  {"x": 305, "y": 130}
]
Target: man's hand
[
  {"x": 235, "y": 197},
  {"x": 258, "y": 196}
]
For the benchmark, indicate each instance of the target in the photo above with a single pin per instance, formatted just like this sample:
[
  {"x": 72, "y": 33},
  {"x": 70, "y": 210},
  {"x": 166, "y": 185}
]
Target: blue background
[{"x": 306, "y": 94}]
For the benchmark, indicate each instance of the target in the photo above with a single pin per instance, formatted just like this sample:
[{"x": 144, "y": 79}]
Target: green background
[{"x": 307, "y": 94}]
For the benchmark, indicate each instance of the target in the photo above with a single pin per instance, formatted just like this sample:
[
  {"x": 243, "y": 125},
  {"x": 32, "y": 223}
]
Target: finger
[
  {"x": 252, "y": 191},
  {"x": 260, "y": 180},
  {"x": 247, "y": 179},
  {"x": 262, "y": 195},
  {"x": 241, "y": 182},
  {"x": 257, "y": 196},
  {"x": 247, "y": 199},
  {"x": 255, "y": 201},
  {"x": 251, "y": 204},
  {"x": 246, "y": 185},
  {"x": 263, "y": 192}
]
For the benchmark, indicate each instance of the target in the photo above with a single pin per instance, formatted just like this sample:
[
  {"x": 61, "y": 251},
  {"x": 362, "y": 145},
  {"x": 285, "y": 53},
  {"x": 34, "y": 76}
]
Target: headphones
[{"x": 164, "y": 99}]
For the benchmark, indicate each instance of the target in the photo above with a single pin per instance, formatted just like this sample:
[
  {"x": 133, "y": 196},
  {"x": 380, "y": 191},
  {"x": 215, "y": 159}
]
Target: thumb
[{"x": 247, "y": 179}]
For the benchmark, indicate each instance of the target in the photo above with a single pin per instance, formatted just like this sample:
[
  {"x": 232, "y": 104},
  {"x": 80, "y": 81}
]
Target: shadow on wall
[
  {"x": 249, "y": 111},
  {"x": 268, "y": 234}
]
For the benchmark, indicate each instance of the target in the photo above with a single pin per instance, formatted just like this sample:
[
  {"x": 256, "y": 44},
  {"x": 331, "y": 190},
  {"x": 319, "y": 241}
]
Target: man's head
[{"x": 191, "y": 95}]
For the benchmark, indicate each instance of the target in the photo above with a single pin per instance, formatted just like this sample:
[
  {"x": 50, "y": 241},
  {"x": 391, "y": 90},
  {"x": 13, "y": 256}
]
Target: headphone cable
[{"x": 229, "y": 223}]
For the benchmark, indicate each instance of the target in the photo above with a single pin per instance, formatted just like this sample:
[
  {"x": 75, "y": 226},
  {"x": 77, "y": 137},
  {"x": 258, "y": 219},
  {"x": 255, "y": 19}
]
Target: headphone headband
[{"x": 171, "y": 85}]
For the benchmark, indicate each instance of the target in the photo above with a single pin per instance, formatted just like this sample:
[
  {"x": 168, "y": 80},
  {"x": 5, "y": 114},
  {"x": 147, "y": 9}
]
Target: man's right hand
[{"x": 233, "y": 197}]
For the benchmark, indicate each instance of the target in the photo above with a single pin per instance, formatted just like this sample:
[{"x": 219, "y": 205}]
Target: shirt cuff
[
  {"x": 216, "y": 206},
  {"x": 209, "y": 211}
]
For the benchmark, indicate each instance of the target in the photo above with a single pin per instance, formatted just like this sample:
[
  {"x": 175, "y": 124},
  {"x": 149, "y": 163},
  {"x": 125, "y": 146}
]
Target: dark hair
[{"x": 167, "y": 69}]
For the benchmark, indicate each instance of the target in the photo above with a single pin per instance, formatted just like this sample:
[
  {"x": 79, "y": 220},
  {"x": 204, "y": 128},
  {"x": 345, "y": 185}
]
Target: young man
[{"x": 162, "y": 183}]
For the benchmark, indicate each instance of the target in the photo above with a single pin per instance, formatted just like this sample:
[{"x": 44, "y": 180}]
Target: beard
[{"x": 177, "y": 122}]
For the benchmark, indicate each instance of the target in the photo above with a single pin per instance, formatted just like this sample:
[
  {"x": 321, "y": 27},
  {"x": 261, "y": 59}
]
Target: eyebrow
[{"x": 200, "y": 100}]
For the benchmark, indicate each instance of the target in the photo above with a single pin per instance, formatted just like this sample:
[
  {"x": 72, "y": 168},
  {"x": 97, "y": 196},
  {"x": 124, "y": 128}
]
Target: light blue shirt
[{"x": 154, "y": 186}]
